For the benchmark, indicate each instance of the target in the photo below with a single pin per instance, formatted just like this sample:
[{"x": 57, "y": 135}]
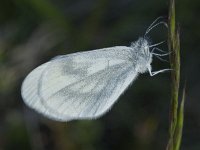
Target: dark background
[{"x": 34, "y": 31}]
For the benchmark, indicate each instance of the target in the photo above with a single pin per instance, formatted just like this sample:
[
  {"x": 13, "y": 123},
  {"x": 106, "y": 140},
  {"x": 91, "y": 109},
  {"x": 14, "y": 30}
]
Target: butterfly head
[{"x": 143, "y": 56}]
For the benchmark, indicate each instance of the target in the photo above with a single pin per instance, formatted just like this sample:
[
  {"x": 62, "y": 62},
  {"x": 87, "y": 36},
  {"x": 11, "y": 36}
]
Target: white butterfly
[{"x": 85, "y": 85}]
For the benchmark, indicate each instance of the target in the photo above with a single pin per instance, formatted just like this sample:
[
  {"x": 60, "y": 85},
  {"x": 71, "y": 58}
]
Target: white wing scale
[{"x": 80, "y": 85}]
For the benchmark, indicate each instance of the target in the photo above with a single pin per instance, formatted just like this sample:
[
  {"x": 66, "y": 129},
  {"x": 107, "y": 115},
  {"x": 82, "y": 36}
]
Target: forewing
[{"x": 80, "y": 85}]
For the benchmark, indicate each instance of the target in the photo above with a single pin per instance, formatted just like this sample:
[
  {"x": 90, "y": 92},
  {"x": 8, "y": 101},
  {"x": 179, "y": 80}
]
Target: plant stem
[{"x": 176, "y": 118}]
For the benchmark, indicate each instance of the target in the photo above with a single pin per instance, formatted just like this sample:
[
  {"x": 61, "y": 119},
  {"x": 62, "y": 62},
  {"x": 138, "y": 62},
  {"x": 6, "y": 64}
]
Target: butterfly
[{"x": 85, "y": 85}]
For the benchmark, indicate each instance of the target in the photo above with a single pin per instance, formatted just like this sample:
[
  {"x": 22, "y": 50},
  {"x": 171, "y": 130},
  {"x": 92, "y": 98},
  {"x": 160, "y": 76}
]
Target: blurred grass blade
[
  {"x": 179, "y": 126},
  {"x": 174, "y": 47},
  {"x": 172, "y": 21}
]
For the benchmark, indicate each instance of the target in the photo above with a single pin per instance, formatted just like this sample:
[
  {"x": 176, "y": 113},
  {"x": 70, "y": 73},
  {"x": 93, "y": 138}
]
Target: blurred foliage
[{"x": 34, "y": 31}]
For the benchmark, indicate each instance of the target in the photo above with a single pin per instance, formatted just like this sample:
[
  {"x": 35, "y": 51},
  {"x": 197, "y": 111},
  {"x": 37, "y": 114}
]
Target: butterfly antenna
[
  {"x": 159, "y": 23},
  {"x": 161, "y": 17}
]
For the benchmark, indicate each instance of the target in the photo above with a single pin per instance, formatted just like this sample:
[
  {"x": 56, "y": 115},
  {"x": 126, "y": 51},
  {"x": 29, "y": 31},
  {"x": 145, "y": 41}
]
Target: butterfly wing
[{"x": 82, "y": 85}]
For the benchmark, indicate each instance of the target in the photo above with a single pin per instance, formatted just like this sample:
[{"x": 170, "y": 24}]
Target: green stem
[{"x": 176, "y": 124}]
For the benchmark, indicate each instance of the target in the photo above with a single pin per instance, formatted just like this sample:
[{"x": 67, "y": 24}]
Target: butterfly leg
[
  {"x": 158, "y": 49},
  {"x": 161, "y": 54},
  {"x": 160, "y": 71}
]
